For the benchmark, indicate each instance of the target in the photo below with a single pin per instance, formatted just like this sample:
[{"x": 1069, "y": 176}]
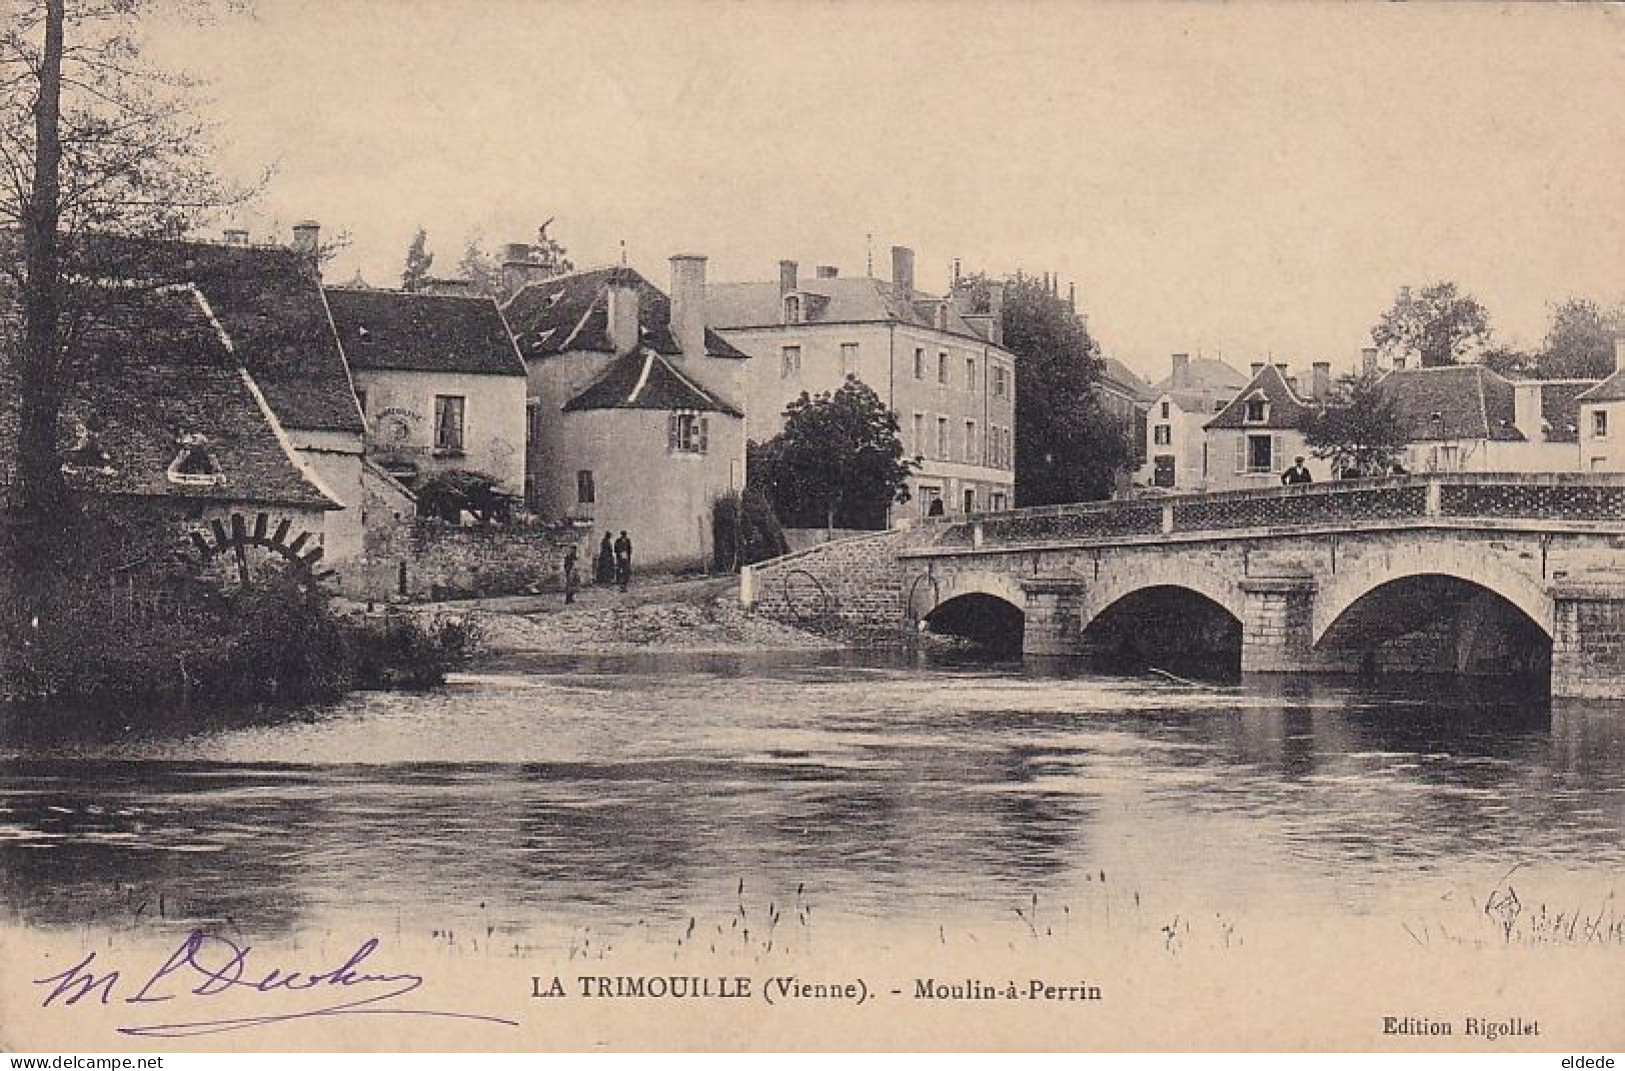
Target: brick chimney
[
  {"x": 995, "y": 312},
  {"x": 1321, "y": 381},
  {"x": 827, "y": 271},
  {"x": 1619, "y": 353},
  {"x": 789, "y": 271},
  {"x": 902, "y": 271},
  {"x": 236, "y": 236},
  {"x": 307, "y": 237},
  {"x": 1180, "y": 374},
  {"x": 517, "y": 267},
  {"x": 1368, "y": 361},
  {"x": 1257, "y": 367},
  {"x": 688, "y": 301},
  {"x": 624, "y": 333}
]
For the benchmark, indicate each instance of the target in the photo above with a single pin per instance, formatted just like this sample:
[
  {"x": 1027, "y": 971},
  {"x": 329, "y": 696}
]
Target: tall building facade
[{"x": 941, "y": 367}]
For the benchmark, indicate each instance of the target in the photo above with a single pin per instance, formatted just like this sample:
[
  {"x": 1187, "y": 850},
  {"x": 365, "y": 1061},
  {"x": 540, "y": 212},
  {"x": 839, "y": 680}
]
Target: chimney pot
[
  {"x": 688, "y": 301},
  {"x": 902, "y": 271},
  {"x": 827, "y": 271}
]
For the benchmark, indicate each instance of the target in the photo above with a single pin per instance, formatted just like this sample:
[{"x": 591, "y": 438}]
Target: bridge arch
[
  {"x": 1115, "y": 586},
  {"x": 988, "y": 608},
  {"x": 1475, "y": 563}
]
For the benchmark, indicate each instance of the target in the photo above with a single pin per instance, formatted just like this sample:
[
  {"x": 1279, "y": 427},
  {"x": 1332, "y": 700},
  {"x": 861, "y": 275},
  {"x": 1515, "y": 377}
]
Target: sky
[{"x": 1244, "y": 180}]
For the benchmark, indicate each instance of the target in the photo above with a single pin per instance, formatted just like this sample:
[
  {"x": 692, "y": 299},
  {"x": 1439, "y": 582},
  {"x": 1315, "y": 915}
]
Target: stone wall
[
  {"x": 1588, "y": 641},
  {"x": 855, "y": 582},
  {"x": 422, "y": 558}
]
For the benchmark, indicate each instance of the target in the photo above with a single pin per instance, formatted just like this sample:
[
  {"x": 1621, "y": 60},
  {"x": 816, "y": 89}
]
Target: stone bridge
[{"x": 1479, "y": 574}]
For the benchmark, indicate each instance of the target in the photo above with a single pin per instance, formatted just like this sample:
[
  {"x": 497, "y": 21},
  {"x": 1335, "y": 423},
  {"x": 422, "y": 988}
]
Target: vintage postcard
[{"x": 544, "y": 526}]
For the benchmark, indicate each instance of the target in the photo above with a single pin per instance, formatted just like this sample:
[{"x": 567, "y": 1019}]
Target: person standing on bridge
[{"x": 1298, "y": 473}]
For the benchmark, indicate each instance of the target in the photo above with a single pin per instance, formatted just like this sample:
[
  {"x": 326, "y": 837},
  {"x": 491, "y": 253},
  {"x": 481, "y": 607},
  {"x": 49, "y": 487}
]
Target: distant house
[
  {"x": 1256, "y": 437},
  {"x": 1126, "y": 398},
  {"x": 1174, "y": 454},
  {"x": 636, "y": 407},
  {"x": 165, "y": 418},
  {"x": 438, "y": 380},
  {"x": 939, "y": 365},
  {"x": 1468, "y": 418},
  {"x": 1601, "y": 420}
]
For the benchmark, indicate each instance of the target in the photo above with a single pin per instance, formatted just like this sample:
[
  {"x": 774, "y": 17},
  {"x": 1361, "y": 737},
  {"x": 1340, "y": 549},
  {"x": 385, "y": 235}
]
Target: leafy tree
[
  {"x": 1359, "y": 430},
  {"x": 838, "y": 462},
  {"x": 745, "y": 530},
  {"x": 1580, "y": 341},
  {"x": 1510, "y": 361},
  {"x": 1068, "y": 447},
  {"x": 93, "y": 142},
  {"x": 1439, "y": 326},
  {"x": 418, "y": 262}
]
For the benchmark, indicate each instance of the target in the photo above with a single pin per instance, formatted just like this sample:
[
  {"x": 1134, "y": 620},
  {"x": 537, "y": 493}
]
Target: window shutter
[
  {"x": 1241, "y": 453},
  {"x": 671, "y": 432},
  {"x": 1277, "y": 462},
  {"x": 705, "y": 433}
]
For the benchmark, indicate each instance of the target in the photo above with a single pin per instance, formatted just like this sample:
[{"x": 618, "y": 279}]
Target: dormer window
[
  {"x": 1258, "y": 411},
  {"x": 86, "y": 455},
  {"x": 792, "y": 309},
  {"x": 194, "y": 464}
]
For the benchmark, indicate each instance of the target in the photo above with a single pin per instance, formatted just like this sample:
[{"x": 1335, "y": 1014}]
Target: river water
[{"x": 549, "y": 795}]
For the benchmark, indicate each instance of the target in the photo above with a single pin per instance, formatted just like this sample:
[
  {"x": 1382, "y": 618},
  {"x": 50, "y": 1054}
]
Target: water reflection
[{"x": 619, "y": 789}]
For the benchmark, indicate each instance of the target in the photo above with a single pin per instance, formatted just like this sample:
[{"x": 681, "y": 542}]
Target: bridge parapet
[{"x": 1440, "y": 498}]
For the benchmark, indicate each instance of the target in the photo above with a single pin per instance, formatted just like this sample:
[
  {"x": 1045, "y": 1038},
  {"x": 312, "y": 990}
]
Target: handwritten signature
[{"x": 207, "y": 965}]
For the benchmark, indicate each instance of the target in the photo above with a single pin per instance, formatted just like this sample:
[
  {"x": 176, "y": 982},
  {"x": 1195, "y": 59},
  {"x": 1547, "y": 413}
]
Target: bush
[
  {"x": 745, "y": 530},
  {"x": 399, "y": 650}
]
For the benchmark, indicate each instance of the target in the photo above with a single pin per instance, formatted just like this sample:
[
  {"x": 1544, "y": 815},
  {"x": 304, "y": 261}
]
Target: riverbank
[{"x": 662, "y": 613}]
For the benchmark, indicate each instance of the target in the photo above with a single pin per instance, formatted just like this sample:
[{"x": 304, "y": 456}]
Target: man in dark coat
[
  {"x": 1298, "y": 473},
  {"x": 623, "y": 560}
]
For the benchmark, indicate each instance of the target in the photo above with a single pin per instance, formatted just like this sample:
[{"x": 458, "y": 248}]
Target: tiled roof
[
  {"x": 389, "y": 329},
  {"x": 1116, "y": 374},
  {"x": 155, "y": 370},
  {"x": 1471, "y": 402},
  {"x": 269, "y": 299},
  {"x": 571, "y": 312},
  {"x": 841, "y": 300},
  {"x": 1286, "y": 409},
  {"x": 1560, "y": 408},
  {"x": 644, "y": 379},
  {"x": 1611, "y": 389},
  {"x": 1204, "y": 373}
]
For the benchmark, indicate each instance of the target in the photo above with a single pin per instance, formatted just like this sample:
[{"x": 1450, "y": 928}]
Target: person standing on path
[
  {"x": 623, "y": 560},
  {"x": 605, "y": 571},
  {"x": 571, "y": 577}
]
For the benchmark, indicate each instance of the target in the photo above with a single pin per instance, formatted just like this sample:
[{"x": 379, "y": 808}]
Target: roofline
[
  {"x": 303, "y": 468},
  {"x": 887, "y": 321}
]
